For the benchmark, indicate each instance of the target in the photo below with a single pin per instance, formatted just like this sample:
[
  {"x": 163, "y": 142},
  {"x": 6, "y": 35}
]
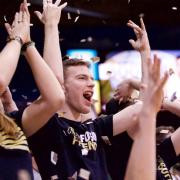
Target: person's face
[{"x": 79, "y": 88}]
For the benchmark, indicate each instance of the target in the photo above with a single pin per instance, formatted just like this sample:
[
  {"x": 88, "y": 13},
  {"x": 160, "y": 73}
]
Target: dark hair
[{"x": 68, "y": 62}]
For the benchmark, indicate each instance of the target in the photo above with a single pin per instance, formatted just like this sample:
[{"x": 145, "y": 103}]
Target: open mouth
[{"x": 88, "y": 95}]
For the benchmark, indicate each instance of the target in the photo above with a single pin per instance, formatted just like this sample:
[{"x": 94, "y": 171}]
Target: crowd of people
[{"x": 57, "y": 128}]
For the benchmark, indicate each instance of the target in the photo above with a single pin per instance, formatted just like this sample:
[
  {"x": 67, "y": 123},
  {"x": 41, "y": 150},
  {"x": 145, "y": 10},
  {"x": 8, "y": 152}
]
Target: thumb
[
  {"x": 38, "y": 14},
  {"x": 8, "y": 28},
  {"x": 132, "y": 42}
]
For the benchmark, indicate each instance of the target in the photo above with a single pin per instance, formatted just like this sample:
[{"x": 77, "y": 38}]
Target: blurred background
[{"x": 97, "y": 29}]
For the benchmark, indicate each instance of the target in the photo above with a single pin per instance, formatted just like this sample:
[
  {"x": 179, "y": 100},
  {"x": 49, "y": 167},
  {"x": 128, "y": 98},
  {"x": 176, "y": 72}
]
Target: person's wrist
[
  {"x": 145, "y": 50},
  {"x": 15, "y": 38},
  {"x": 27, "y": 45},
  {"x": 51, "y": 24}
]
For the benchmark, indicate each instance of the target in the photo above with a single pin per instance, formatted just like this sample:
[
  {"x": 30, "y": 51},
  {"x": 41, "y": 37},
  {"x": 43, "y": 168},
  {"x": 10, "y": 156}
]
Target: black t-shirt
[
  {"x": 119, "y": 152},
  {"x": 166, "y": 158},
  {"x": 78, "y": 146},
  {"x": 14, "y": 152}
]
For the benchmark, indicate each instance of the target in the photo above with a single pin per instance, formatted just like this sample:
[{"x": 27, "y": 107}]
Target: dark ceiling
[
  {"x": 104, "y": 23},
  {"x": 106, "y": 12}
]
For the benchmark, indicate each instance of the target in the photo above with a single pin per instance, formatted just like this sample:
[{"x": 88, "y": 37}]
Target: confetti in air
[
  {"x": 34, "y": 90},
  {"x": 78, "y": 12},
  {"x": 83, "y": 40},
  {"x": 76, "y": 19},
  {"x": 164, "y": 131},
  {"x": 89, "y": 39},
  {"x": 69, "y": 15},
  {"x": 25, "y": 97},
  {"x": 5, "y": 19},
  {"x": 13, "y": 90},
  {"x": 61, "y": 39},
  {"x": 174, "y": 8},
  {"x": 95, "y": 59},
  {"x": 109, "y": 74},
  {"x": 84, "y": 174}
]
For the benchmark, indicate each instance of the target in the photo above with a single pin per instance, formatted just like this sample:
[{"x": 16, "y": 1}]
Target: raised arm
[
  {"x": 9, "y": 56},
  {"x": 52, "y": 95},
  {"x": 141, "y": 44},
  {"x": 142, "y": 161},
  {"x": 52, "y": 53},
  {"x": 172, "y": 106}
]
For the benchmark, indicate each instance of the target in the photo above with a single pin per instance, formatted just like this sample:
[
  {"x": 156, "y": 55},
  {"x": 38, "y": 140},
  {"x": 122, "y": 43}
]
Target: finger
[
  {"x": 57, "y": 3},
  {"x": 26, "y": 18},
  {"x": 38, "y": 14},
  {"x": 8, "y": 28},
  {"x": 164, "y": 80},
  {"x": 20, "y": 15},
  {"x": 158, "y": 67},
  {"x": 15, "y": 22},
  {"x": 44, "y": 3},
  {"x": 49, "y": 1},
  {"x": 132, "y": 42},
  {"x": 63, "y": 5},
  {"x": 26, "y": 10},
  {"x": 21, "y": 7},
  {"x": 142, "y": 24},
  {"x": 148, "y": 67},
  {"x": 120, "y": 100},
  {"x": 136, "y": 28}
]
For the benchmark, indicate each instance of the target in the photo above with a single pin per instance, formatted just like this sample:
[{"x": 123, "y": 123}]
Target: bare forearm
[
  {"x": 142, "y": 159},
  {"x": 124, "y": 119},
  {"x": 135, "y": 84},
  {"x": 52, "y": 52},
  {"x": 146, "y": 54},
  {"x": 48, "y": 85},
  {"x": 9, "y": 57},
  {"x": 173, "y": 107}
]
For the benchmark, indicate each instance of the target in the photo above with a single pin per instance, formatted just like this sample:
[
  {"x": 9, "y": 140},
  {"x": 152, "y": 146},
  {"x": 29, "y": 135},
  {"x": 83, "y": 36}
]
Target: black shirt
[
  {"x": 14, "y": 152},
  {"x": 78, "y": 146}
]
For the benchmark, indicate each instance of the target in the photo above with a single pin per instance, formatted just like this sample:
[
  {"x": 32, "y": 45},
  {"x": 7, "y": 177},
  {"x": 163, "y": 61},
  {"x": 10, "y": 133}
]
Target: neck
[{"x": 69, "y": 113}]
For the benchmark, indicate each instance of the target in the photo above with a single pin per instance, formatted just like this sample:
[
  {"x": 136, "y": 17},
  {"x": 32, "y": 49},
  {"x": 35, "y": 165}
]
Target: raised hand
[
  {"x": 153, "y": 88},
  {"x": 51, "y": 12},
  {"x": 21, "y": 24},
  {"x": 142, "y": 42},
  {"x": 123, "y": 91}
]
